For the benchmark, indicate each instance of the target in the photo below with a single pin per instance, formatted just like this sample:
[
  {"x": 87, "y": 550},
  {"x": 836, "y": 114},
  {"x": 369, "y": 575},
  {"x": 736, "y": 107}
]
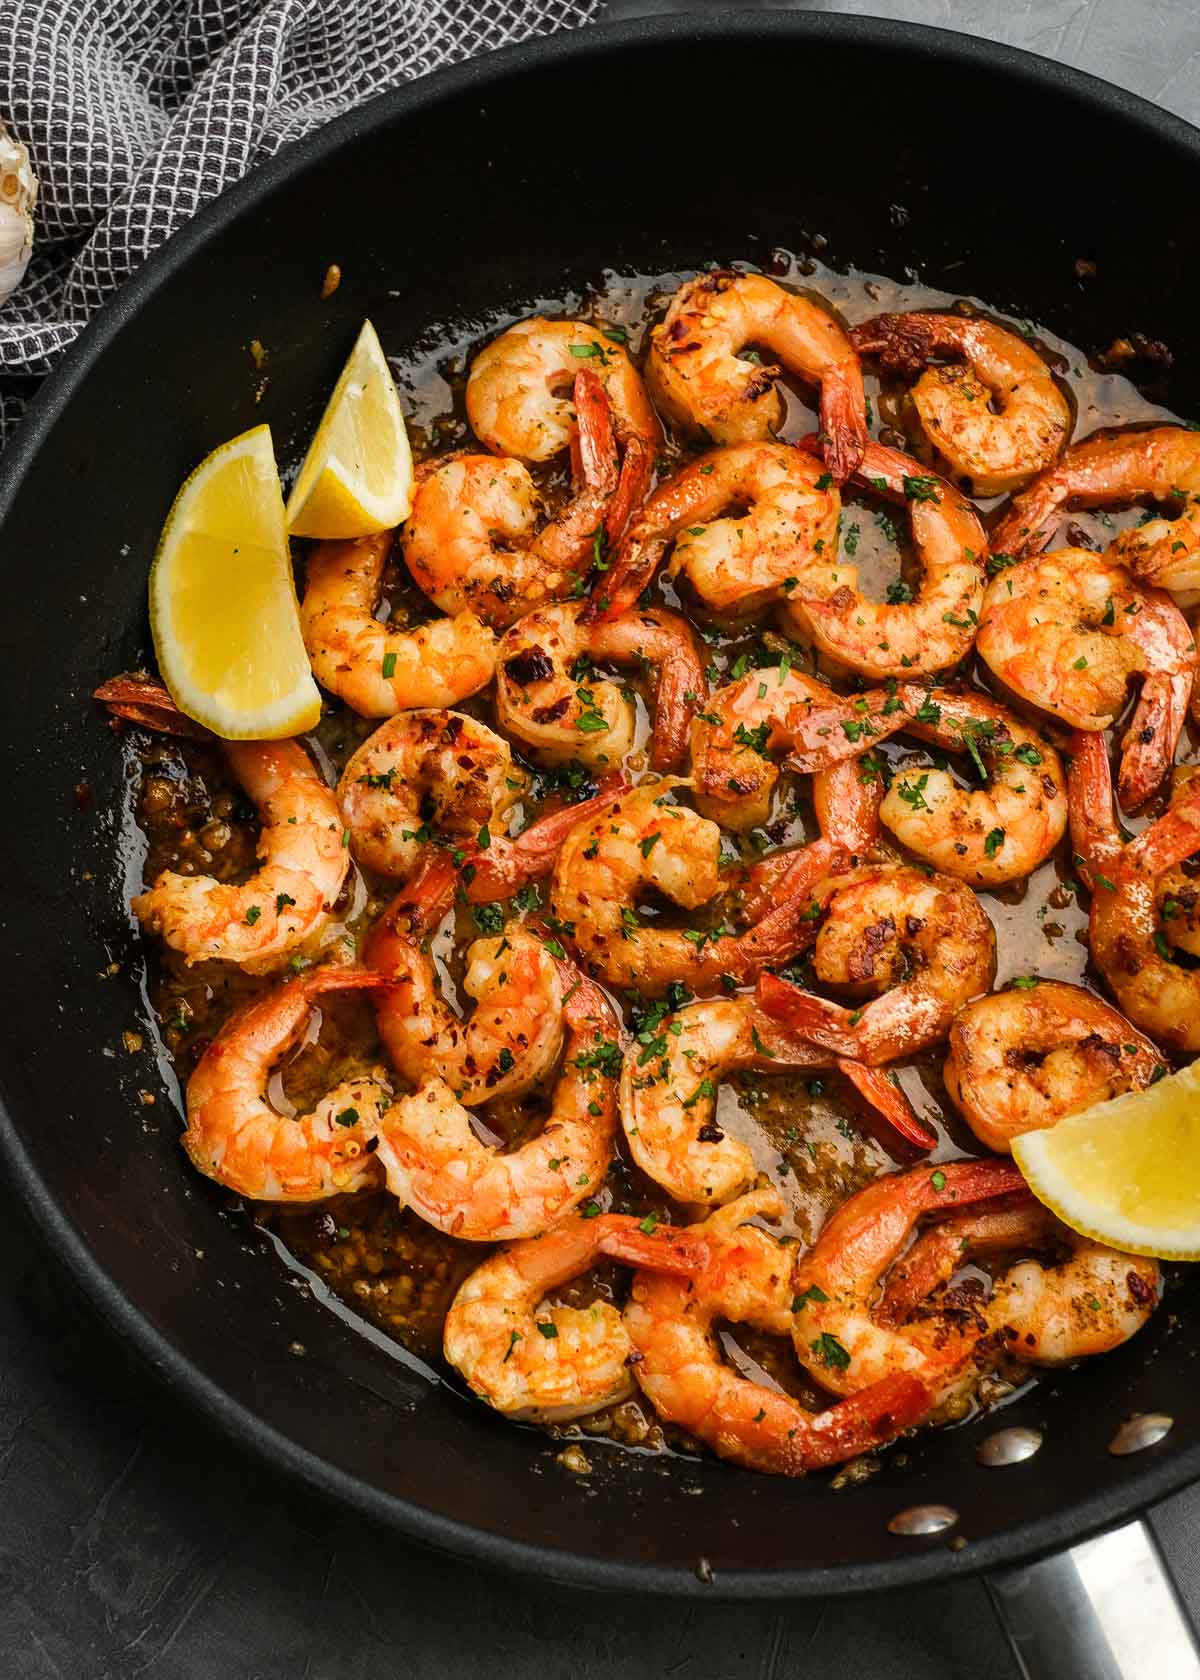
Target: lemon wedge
[
  {"x": 357, "y": 476},
  {"x": 1126, "y": 1172},
  {"x": 222, "y": 602}
]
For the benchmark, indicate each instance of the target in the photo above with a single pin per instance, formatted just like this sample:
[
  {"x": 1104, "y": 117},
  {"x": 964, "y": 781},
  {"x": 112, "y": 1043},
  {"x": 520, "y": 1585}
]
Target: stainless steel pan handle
[{"x": 1105, "y": 1610}]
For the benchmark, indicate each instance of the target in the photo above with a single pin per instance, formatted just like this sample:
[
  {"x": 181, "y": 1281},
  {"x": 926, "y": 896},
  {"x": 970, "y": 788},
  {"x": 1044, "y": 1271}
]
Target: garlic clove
[{"x": 18, "y": 195}]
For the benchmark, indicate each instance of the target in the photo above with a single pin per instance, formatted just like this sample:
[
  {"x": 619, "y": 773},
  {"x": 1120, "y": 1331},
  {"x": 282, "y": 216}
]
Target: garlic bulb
[{"x": 18, "y": 194}]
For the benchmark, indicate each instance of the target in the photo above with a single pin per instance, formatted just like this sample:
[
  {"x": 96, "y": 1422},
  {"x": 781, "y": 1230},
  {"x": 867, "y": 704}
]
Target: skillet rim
[{"x": 1114, "y": 1503}]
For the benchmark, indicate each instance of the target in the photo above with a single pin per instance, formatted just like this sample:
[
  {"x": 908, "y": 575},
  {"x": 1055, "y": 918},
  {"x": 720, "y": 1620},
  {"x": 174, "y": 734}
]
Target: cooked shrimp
[
  {"x": 304, "y": 860},
  {"x": 1088, "y": 1300},
  {"x": 839, "y": 1338},
  {"x": 989, "y": 835},
  {"x": 1067, "y": 630},
  {"x": 424, "y": 775},
  {"x": 1161, "y": 465},
  {"x": 437, "y": 1165},
  {"x": 923, "y": 941},
  {"x": 699, "y": 381},
  {"x": 669, "y": 1094},
  {"x": 933, "y": 630},
  {"x": 233, "y": 1134},
  {"x": 747, "y": 725},
  {"x": 547, "y": 1363},
  {"x": 518, "y": 405},
  {"x": 549, "y": 696},
  {"x": 514, "y": 1034},
  {"x": 1128, "y": 942},
  {"x": 679, "y": 1367},
  {"x": 375, "y": 669},
  {"x": 993, "y": 412},
  {"x": 641, "y": 840},
  {"x": 1177, "y": 894},
  {"x": 1021, "y": 1060},
  {"x": 473, "y": 539},
  {"x": 738, "y": 562},
  {"x": 288, "y": 899}
]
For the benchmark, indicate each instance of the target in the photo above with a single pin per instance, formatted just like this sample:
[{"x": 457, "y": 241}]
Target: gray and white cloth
[{"x": 136, "y": 112}]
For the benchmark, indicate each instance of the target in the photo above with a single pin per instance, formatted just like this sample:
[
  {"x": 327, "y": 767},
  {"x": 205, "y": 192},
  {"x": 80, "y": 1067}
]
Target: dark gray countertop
[{"x": 134, "y": 1540}]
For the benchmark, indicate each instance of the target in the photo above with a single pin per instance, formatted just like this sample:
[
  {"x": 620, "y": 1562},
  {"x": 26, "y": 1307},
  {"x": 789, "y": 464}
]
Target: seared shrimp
[
  {"x": 923, "y": 941},
  {"x": 375, "y": 669},
  {"x": 1160, "y": 465},
  {"x": 1178, "y": 896},
  {"x": 993, "y": 411},
  {"x": 437, "y": 1166},
  {"x": 642, "y": 840},
  {"x": 747, "y": 725},
  {"x": 515, "y": 1032},
  {"x": 234, "y": 1135},
  {"x": 1066, "y": 631},
  {"x": 1128, "y": 940},
  {"x": 1021, "y": 1060},
  {"x": 987, "y": 835},
  {"x": 699, "y": 381},
  {"x": 679, "y": 1367},
  {"x": 1081, "y": 1299},
  {"x": 518, "y": 404},
  {"x": 739, "y": 562},
  {"x": 933, "y": 630},
  {"x": 473, "y": 539},
  {"x": 424, "y": 775},
  {"x": 547, "y": 1363},
  {"x": 840, "y": 1339},
  {"x": 669, "y": 1094},
  {"x": 549, "y": 696}
]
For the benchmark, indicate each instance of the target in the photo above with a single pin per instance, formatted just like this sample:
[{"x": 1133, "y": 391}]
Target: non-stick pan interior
[{"x": 649, "y": 147}]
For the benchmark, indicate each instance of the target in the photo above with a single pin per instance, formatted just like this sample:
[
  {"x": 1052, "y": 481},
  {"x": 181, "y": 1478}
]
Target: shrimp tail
[
  {"x": 843, "y": 420},
  {"x": 633, "y": 484},
  {"x": 865, "y": 1420},
  {"x": 507, "y": 865},
  {"x": 888, "y": 1101},
  {"x": 597, "y": 440},
  {"x": 786, "y": 929},
  {"x": 1148, "y": 745},
  {"x": 812, "y": 1017},
  {"x": 1094, "y": 832},
  {"x": 139, "y": 699},
  {"x": 655, "y": 1247},
  {"x": 1170, "y": 840},
  {"x": 825, "y": 735},
  {"x": 425, "y": 897}
]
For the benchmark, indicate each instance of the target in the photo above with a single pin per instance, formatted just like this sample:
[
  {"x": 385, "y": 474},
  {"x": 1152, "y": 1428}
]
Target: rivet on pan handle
[{"x": 1105, "y": 1610}]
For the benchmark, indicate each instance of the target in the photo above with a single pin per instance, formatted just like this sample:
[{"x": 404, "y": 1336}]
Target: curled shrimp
[
  {"x": 984, "y": 835},
  {"x": 748, "y": 725},
  {"x": 671, "y": 1323},
  {"x": 304, "y": 861},
  {"x": 475, "y": 541},
  {"x": 669, "y": 1090},
  {"x": 641, "y": 840},
  {"x": 549, "y": 695},
  {"x": 375, "y": 668},
  {"x": 840, "y": 1337},
  {"x": 993, "y": 411},
  {"x": 234, "y": 1135},
  {"x": 699, "y": 381},
  {"x": 1126, "y": 934},
  {"x": 737, "y": 562},
  {"x": 1021, "y": 1060},
  {"x": 518, "y": 401},
  {"x": 436, "y": 1164},
  {"x": 547, "y": 1363},
  {"x": 1067, "y": 630},
  {"x": 936, "y": 627},
  {"x": 1160, "y": 465},
  {"x": 425, "y": 774},
  {"x": 922, "y": 941},
  {"x": 1081, "y": 1299}
]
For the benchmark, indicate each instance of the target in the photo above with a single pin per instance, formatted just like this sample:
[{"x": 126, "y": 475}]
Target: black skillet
[{"x": 650, "y": 146}]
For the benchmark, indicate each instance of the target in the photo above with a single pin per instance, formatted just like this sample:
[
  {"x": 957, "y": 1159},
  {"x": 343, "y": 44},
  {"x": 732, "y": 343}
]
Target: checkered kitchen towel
[{"x": 138, "y": 111}]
